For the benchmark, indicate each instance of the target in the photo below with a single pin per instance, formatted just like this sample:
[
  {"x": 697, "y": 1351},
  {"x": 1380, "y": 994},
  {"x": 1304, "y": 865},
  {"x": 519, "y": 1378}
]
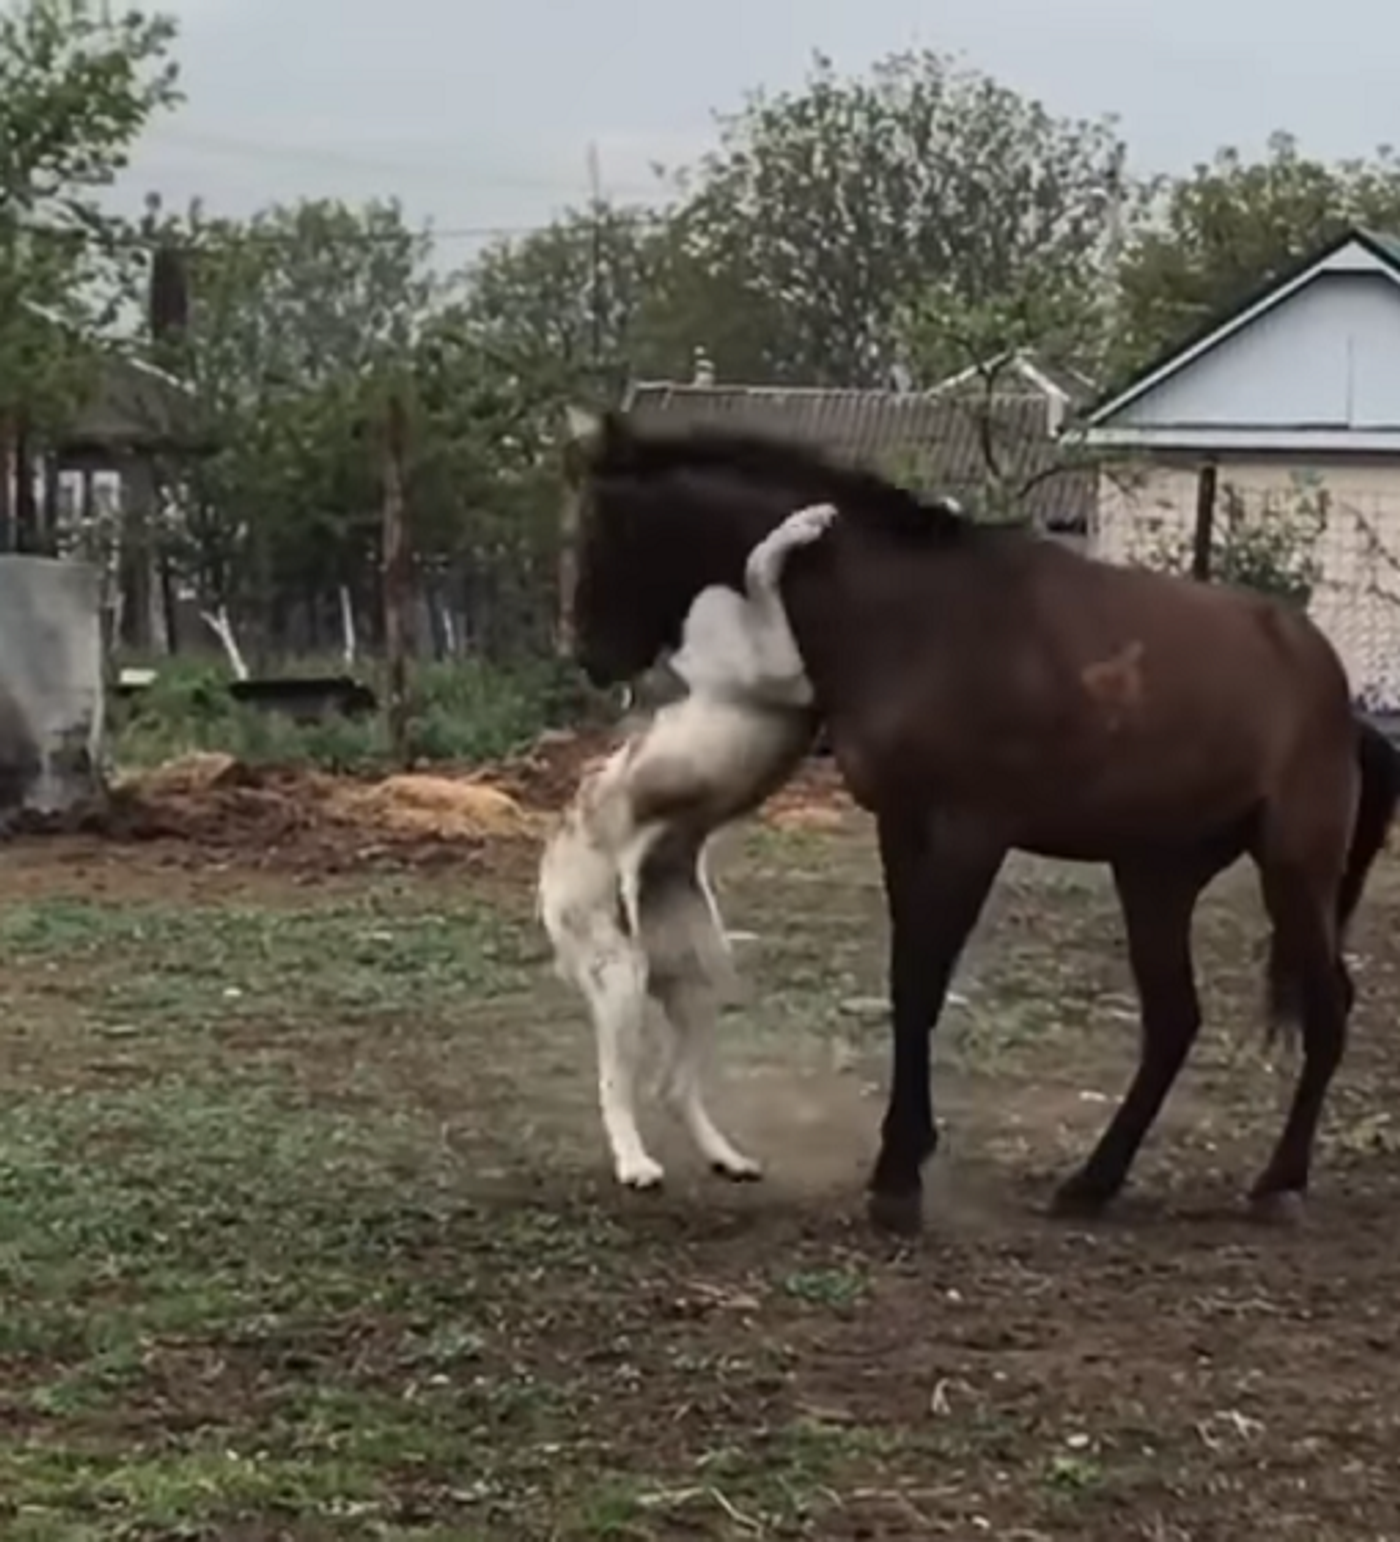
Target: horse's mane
[{"x": 861, "y": 495}]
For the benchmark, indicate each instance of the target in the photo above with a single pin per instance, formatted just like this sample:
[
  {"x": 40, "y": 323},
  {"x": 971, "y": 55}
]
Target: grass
[
  {"x": 305, "y": 1233},
  {"x": 248, "y": 1270}
]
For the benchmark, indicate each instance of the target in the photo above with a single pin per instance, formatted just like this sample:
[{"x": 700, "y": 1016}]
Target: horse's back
[{"x": 1074, "y": 701}]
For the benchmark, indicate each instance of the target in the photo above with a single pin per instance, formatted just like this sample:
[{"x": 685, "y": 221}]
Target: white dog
[{"x": 624, "y": 891}]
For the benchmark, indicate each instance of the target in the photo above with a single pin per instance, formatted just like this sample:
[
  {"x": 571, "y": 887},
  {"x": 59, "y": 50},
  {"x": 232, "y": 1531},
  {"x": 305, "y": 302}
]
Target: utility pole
[
  {"x": 1114, "y": 255},
  {"x": 565, "y": 572},
  {"x": 595, "y": 269}
]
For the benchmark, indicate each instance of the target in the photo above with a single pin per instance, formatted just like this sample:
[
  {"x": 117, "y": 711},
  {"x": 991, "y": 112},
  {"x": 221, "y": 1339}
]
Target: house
[
  {"x": 934, "y": 440},
  {"x": 102, "y": 459},
  {"x": 1289, "y": 405},
  {"x": 133, "y": 413}
]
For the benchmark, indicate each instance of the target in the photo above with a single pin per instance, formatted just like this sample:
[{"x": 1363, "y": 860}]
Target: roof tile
[{"x": 933, "y": 443}]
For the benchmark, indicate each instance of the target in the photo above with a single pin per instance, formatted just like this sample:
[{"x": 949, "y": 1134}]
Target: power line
[
  {"x": 253, "y": 150},
  {"x": 432, "y": 234}
]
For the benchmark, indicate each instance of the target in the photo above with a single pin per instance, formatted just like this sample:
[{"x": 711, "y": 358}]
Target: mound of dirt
[
  {"x": 815, "y": 799},
  {"x": 325, "y": 823},
  {"x": 546, "y": 776},
  {"x": 420, "y": 805},
  {"x": 310, "y": 820}
]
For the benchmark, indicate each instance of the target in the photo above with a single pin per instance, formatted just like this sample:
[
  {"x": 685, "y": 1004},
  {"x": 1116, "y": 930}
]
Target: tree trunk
[{"x": 396, "y": 575}]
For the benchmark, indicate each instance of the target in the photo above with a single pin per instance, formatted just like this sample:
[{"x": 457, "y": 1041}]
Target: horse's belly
[{"x": 1093, "y": 818}]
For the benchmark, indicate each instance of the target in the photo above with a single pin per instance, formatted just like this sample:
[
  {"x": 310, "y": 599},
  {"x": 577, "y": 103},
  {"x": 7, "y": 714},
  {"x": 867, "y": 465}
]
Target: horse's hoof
[
  {"x": 1076, "y": 1200},
  {"x": 900, "y": 1214},
  {"x": 740, "y": 1170},
  {"x": 1278, "y": 1207}
]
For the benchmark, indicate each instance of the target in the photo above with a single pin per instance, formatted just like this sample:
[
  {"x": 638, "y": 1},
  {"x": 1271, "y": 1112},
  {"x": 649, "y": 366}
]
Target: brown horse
[{"x": 985, "y": 690}]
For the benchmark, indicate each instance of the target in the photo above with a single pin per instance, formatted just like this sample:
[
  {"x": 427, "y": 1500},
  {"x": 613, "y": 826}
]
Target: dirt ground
[{"x": 306, "y": 1229}]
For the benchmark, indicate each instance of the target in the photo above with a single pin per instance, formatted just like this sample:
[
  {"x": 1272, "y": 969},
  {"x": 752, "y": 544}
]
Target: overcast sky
[{"x": 477, "y": 113}]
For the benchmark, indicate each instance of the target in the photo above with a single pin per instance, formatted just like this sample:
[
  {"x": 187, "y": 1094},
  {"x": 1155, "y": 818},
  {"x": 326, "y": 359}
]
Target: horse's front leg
[{"x": 935, "y": 888}]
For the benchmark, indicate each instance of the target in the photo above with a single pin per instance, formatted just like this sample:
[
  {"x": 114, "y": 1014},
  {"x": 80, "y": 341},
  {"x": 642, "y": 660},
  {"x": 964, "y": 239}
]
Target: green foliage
[
  {"x": 78, "y": 84},
  {"x": 1268, "y": 544},
  {"x": 565, "y": 308},
  {"x": 300, "y": 315},
  {"x": 464, "y": 712},
  {"x": 832, "y": 209}
]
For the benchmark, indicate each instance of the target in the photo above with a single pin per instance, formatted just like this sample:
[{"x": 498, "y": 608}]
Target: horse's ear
[
  {"x": 584, "y": 433},
  {"x": 583, "y": 426}
]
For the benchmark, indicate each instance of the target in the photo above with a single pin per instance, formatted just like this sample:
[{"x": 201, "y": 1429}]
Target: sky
[{"x": 477, "y": 114}]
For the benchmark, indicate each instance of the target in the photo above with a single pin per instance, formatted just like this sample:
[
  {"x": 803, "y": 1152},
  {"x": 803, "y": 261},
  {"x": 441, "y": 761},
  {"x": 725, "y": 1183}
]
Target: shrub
[{"x": 468, "y": 711}]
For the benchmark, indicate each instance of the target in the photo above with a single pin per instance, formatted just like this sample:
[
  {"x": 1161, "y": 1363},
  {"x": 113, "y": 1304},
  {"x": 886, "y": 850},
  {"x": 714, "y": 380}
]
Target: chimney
[{"x": 704, "y": 369}]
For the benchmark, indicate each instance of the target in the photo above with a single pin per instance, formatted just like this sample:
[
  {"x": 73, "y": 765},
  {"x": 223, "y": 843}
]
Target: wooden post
[
  {"x": 7, "y": 486},
  {"x": 566, "y": 575},
  {"x": 395, "y": 579},
  {"x": 1205, "y": 523}
]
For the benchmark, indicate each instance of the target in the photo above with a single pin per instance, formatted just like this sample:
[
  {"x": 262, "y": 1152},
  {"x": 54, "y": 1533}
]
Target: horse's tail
[
  {"x": 1379, "y": 763},
  {"x": 1380, "y": 797}
]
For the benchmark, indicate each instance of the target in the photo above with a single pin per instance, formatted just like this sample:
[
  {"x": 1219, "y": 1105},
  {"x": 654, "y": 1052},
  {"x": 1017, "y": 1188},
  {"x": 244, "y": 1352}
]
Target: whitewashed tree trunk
[
  {"x": 219, "y": 624},
  {"x": 349, "y": 641}
]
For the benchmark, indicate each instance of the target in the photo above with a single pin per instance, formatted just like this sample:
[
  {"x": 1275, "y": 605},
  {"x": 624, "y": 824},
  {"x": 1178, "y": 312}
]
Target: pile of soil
[
  {"x": 437, "y": 806},
  {"x": 546, "y": 776},
  {"x": 219, "y": 801},
  {"x": 272, "y": 814}
]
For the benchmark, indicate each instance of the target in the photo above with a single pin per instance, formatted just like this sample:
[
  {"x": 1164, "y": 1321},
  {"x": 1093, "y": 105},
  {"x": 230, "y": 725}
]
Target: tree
[
  {"x": 78, "y": 84},
  {"x": 1046, "y": 320},
  {"x": 77, "y": 87},
  {"x": 565, "y": 307},
  {"x": 1202, "y": 243},
  {"x": 299, "y": 317},
  {"x": 827, "y": 213}
]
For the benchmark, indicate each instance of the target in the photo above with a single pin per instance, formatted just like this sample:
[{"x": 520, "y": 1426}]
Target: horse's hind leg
[
  {"x": 1302, "y": 905},
  {"x": 689, "y": 1006},
  {"x": 1158, "y": 900}
]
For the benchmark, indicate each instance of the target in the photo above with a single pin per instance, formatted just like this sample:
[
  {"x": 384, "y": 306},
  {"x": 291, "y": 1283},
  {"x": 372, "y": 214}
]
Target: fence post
[
  {"x": 1205, "y": 522},
  {"x": 395, "y": 578}
]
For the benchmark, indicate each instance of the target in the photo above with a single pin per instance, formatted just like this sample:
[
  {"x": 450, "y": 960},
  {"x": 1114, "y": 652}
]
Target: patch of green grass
[
  {"x": 838, "y": 1289},
  {"x": 156, "y": 963}
]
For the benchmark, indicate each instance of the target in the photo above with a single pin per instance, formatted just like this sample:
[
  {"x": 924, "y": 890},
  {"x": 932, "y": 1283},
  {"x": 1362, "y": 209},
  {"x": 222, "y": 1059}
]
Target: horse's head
[
  {"x": 646, "y": 541},
  {"x": 659, "y": 516}
]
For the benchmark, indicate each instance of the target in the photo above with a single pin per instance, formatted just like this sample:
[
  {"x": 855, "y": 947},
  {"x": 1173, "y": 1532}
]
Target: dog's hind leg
[
  {"x": 614, "y": 983},
  {"x": 686, "y": 932},
  {"x": 689, "y": 1006}
]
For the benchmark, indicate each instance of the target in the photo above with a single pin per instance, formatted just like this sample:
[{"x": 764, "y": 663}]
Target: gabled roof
[
  {"x": 1057, "y": 381},
  {"x": 931, "y": 440},
  {"x": 1355, "y": 249},
  {"x": 133, "y": 404}
]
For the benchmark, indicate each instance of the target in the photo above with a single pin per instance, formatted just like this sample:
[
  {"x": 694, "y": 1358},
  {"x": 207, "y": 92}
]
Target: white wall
[
  {"x": 1357, "y": 599},
  {"x": 51, "y": 680}
]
